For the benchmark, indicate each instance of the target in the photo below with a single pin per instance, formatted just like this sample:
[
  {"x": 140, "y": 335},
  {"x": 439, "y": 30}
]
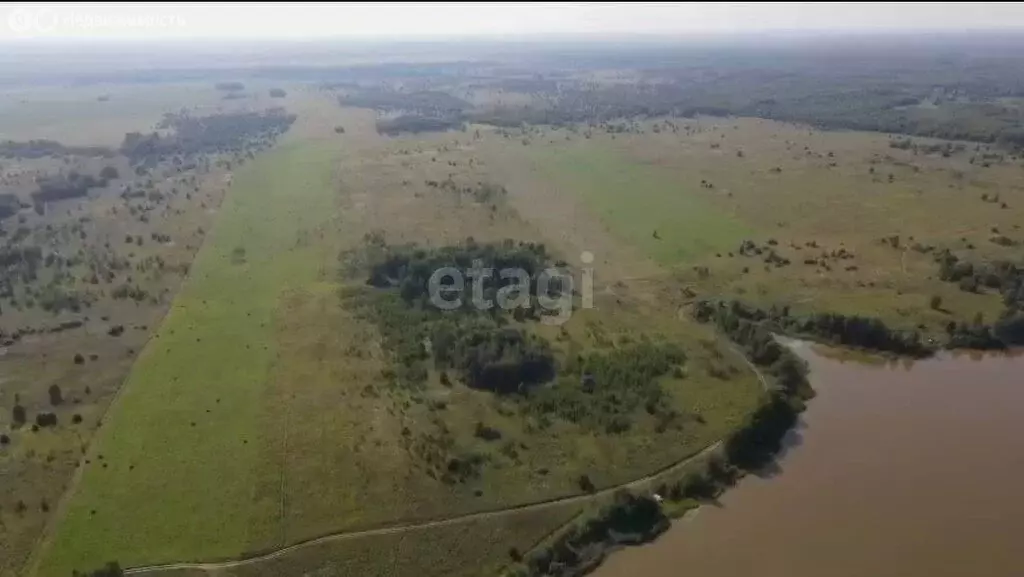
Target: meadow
[
  {"x": 197, "y": 388},
  {"x": 258, "y": 359},
  {"x": 642, "y": 204}
]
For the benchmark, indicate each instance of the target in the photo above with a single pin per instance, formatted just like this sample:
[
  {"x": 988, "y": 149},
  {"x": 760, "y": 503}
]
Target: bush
[
  {"x": 628, "y": 520},
  {"x": 586, "y": 484},
  {"x": 111, "y": 569},
  {"x": 56, "y": 397},
  {"x": 46, "y": 419},
  {"x": 19, "y": 415},
  {"x": 486, "y": 433},
  {"x": 109, "y": 173}
]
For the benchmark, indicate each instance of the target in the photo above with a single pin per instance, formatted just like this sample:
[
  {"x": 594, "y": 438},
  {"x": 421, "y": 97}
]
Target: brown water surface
[{"x": 902, "y": 470}]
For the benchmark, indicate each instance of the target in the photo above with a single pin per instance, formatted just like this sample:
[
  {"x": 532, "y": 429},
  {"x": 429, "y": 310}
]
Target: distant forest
[{"x": 954, "y": 85}]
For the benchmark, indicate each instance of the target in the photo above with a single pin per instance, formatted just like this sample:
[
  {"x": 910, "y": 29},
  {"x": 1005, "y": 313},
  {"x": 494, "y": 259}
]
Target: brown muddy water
[{"x": 902, "y": 470}]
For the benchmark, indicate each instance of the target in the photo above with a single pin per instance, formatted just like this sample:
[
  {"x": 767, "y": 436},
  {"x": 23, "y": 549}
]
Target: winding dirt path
[{"x": 344, "y": 536}]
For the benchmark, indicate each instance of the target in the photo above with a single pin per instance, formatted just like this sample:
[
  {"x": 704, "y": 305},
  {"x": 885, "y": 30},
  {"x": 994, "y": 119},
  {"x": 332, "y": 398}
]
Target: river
[{"x": 900, "y": 469}]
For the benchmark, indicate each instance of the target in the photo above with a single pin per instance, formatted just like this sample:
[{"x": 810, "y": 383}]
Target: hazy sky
[{"x": 162, "y": 20}]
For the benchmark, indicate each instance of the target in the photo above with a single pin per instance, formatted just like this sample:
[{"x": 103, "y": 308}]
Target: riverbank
[{"x": 864, "y": 484}]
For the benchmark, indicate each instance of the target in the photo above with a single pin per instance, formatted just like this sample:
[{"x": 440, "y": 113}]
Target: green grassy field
[
  {"x": 265, "y": 391},
  {"x": 467, "y": 549},
  {"x": 641, "y": 203},
  {"x": 175, "y": 458},
  {"x": 266, "y": 398}
]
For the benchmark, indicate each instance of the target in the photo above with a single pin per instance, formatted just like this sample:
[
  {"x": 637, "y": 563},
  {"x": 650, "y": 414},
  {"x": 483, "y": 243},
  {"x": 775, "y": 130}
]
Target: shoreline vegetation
[
  {"x": 634, "y": 519},
  {"x": 637, "y": 518}
]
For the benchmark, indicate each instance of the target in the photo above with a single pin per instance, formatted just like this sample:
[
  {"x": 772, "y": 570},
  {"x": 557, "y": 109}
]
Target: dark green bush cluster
[
  {"x": 746, "y": 324},
  {"x": 1005, "y": 277},
  {"x": 628, "y": 520},
  {"x": 111, "y": 569},
  {"x": 482, "y": 349},
  {"x": 227, "y": 132},
  {"x": 409, "y": 268},
  {"x": 40, "y": 148},
  {"x": 607, "y": 388}
]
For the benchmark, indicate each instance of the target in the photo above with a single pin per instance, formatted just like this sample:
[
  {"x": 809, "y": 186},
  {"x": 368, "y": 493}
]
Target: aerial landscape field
[{"x": 222, "y": 350}]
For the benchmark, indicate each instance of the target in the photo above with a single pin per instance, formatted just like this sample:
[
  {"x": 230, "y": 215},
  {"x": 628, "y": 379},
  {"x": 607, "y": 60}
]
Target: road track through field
[{"x": 348, "y": 535}]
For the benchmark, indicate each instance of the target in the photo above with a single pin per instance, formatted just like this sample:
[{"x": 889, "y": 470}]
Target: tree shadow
[{"x": 793, "y": 439}]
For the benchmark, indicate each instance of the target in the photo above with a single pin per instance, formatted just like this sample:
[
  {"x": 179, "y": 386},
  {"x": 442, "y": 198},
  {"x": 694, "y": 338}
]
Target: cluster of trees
[
  {"x": 415, "y": 123},
  {"x": 431, "y": 103},
  {"x": 228, "y": 132},
  {"x": 229, "y": 86},
  {"x": 415, "y": 111},
  {"x": 864, "y": 332},
  {"x": 944, "y": 148},
  {"x": 499, "y": 359},
  {"x": 604, "y": 390},
  {"x": 736, "y": 318},
  {"x": 482, "y": 192},
  {"x": 71, "y": 185},
  {"x": 111, "y": 569},
  {"x": 1004, "y": 277},
  {"x": 409, "y": 268},
  {"x": 9, "y": 205},
  {"x": 20, "y": 261},
  {"x": 477, "y": 346},
  {"x": 629, "y": 520},
  {"x": 42, "y": 148}
]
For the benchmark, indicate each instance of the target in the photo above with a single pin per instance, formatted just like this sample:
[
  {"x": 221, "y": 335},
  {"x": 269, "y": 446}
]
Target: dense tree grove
[
  {"x": 414, "y": 124},
  {"x": 41, "y": 148},
  {"x": 603, "y": 390},
  {"x": 1003, "y": 277},
  {"x": 63, "y": 187},
  {"x": 629, "y": 520},
  {"x": 477, "y": 345},
  {"x": 502, "y": 360},
  {"x": 736, "y": 319},
  {"x": 600, "y": 390},
  {"x": 228, "y": 132},
  {"x": 427, "y": 103},
  {"x": 409, "y": 268}
]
